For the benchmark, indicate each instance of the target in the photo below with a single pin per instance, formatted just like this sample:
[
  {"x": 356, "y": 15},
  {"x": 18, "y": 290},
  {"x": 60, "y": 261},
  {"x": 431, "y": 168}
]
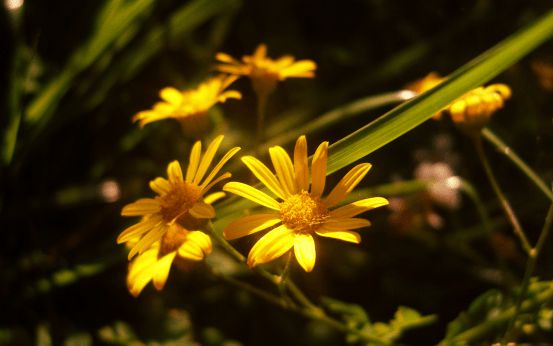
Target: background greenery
[{"x": 75, "y": 73}]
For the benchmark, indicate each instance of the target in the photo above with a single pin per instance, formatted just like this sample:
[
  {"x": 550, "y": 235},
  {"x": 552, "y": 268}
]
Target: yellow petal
[
  {"x": 160, "y": 186},
  {"x": 264, "y": 175},
  {"x": 224, "y": 57},
  {"x": 260, "y": 52},
  {"x": 349, "y": 236},
  {"x": 345, "y": 224},
  {"x": 221, "y": 177},
  {"x": 196, "y": 246},
  {"x": 220, "y": 165},
  {"x": 174, "y": 172},
  {"x": 138, "y": 229},
  {"x": 347, "y": 184},
  {"x": 284, "y": 169},
  {"x": 143, "y": 206},
  {"x": 194, "y": 161},
  {"x": 230, "y": 94},
  {"x": 271, "y": 246},
  {"x": 202, "y": 210},
  {"x": 301, "y": 168},
  {"x": 141, "y": 271},
  {"x": 163, "y": 266},
  {"x": 146, "y": 241},
  {"x": 318, "y": 170},
  {"x": 304, "y": 249},
  {"x": 358, "y": 207},
  {"x": 252, "y": 194},
  {"x": 214, "y": 197},
  {"x": 171, "y": 95},
  {"x": 207, "y": 158},
  {"x": 302, "y": 68},
  {"x": 249, "y": 225}
]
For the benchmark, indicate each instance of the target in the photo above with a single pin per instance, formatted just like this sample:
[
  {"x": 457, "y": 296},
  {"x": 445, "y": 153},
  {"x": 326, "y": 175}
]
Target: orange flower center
[
  {"x": 179, "y": 200},
  {"x": 303, "y": 213}
]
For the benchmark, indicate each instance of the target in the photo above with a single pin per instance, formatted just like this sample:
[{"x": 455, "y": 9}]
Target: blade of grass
[
  {"x": 342, "y": 113},
  {"x": 409, "y": 115}
]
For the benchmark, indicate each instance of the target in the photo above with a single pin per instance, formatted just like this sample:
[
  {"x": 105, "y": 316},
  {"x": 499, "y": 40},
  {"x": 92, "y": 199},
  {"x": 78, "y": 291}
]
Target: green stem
[
  {"x": 471, "y": 192},
  {"x": 519, "y": 232},
  {"x": 225, "y": 244},
  {"x": 530, "y": 267},
  {"x": 488, "y": 135},
  {"x": 308, "y": 310}
]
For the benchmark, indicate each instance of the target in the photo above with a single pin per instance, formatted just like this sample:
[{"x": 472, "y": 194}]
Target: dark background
[{"x": 63, "y": 276}]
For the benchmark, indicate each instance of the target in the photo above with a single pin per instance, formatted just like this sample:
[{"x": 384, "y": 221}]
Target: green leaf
[{"x": 411, "y": 114}]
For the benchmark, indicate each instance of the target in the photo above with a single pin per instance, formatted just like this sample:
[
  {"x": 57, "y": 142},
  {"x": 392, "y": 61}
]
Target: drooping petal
[
  {"x": 271, "y": 246},
  {"x": 264, "y": 175},
  {"x": 318, "y": 170},
  {"x": 138, "y": 229},
  {"x": 174, "y": 172},
  {"x": 162, "y": 268},
  {"x": 143, "y": 206},
  {"x": 219, "y": 165},
  {"x": 202, "y": 210},
  {"x": 146, "y": 241},
  {"x": 160, "y": 186},
  {"x": 304, "y": 249},
  {"x": 250, "y": 224},
  {"x": 349, "y": 236},
  {"x": 358, "y": 207},
  {"x": 214, "y": 197},
  {"x": 252, "y": 194},
  {"x": 345, "y": 224},
  {"x": 141, "y": 271},
  {"x": 347, "y": 184},
  {"x": 207, "y": 158},
  {"x": 284, "y": 169},
  {"x": 171, "y": 95},
  {"x": 194, "y": 161},
  {"x": 196, "y": 246},
  {"x": 301, "y": 168}
]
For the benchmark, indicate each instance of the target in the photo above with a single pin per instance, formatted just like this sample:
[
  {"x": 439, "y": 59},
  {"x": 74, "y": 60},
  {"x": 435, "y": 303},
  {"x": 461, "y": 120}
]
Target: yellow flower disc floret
[
  {"x": 178, "y": 200},
  {"x": 303, "y": 213}
]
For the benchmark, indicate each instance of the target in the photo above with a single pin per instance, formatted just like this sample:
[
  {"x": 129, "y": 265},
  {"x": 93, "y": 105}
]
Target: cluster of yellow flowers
[
  {"x": 172, "y": 224},
  {"x": 171, "y": 229}
]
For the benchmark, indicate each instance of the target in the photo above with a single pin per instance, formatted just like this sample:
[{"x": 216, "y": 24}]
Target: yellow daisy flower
[
  {"x": 180, "y": 198},
  {"x": 177, "y": 245},
  {"x": 190, "y": 107},
  {"x": 472, "y": 111},
  {"x": 302, "y": 212},
  {"x": 264, "y": 71}
]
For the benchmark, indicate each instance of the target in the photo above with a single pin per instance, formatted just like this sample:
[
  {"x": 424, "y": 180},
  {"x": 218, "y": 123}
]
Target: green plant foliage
[{"x": 384, "y": 333}]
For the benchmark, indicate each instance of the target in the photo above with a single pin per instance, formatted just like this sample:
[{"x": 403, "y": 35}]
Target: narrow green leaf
[{"x": 411, "y": 114}]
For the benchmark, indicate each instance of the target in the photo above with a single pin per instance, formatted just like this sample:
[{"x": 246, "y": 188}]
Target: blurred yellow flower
[
  {"x": 264, "y": 71},
  {"x": 303, "y": 212},
  {"x": 190, "y": 107},
  {"x": 178, "y": 244},
  {"x": 472, "y": 111},
  {"x": 180, "y": 199}
]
